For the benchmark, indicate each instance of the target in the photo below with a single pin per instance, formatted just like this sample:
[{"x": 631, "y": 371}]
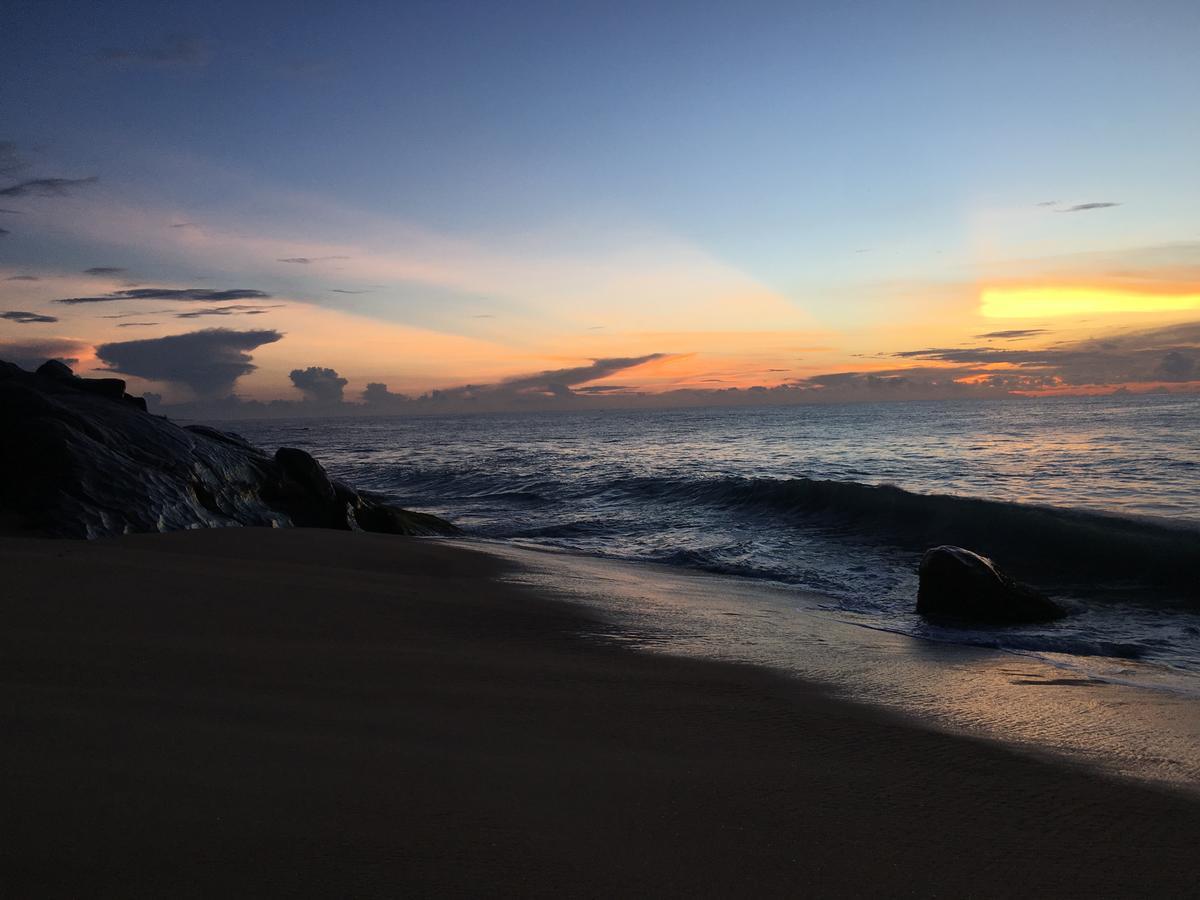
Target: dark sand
[{"x": 256, "y": 712}]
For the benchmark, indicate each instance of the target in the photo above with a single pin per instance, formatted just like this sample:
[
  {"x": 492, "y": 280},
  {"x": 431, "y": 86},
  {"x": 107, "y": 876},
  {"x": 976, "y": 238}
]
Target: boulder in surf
[{"x": 958, "y": 585}]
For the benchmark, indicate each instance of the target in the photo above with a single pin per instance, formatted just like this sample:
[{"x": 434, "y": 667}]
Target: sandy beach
[{"x": 254, "y": 712}]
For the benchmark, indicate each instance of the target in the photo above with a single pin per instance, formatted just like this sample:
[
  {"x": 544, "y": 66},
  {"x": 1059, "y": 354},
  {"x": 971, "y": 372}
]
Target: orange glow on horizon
[
  {"x": 1094, "y": 390},
  {"x": 1066, "y": 300}
]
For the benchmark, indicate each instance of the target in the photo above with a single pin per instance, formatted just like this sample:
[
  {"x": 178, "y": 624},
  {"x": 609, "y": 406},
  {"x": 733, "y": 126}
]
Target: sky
[{"x": 469, "y": 205}]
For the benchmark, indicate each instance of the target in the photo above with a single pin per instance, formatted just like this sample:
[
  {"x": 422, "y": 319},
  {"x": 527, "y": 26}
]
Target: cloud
[
  {"x": 31, "y": 354},
  {"x": 10, "y": 212},
  {"x": 1013, "y": 334},
  {"x": 525, "y": 391},
  {"x": 209, "y": 362},
  {"x": 605, "y": 389},
  {"x": 22, "y": 278},
  {"x": 134, "y": 324},
  {"x": 4, "y": 231},
  {"x": 46, "y": 187},
  {"x": 306, "y": 260},
  {"x": 26, "y": 318},
  {"x": 377, "y": 395},
  {"x": 1084, "y": 207},
  {"x": 104, "y": 270},
  {"x": 1161, "y": 354},
  {"x": 1177, "y": 365},
  {"x": 560, "y": 381},
  {"x": 238, "y": 309},
  {"x": 344, "y": 291},
  {"x": 141, "y": 312},
  {"x": 175, "y": 50},
  {"x": 185, "y": 294},
  {"x": 319, "y": 385}
]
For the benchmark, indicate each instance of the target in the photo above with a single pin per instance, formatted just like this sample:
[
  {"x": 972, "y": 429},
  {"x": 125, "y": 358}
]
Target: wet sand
[{"x": 257, "y": 712}]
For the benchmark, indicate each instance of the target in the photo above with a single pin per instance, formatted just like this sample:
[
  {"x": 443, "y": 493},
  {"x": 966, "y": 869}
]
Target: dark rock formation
[
  {"x": 81, "y": 458},
  {"x": 958, "y": 585}
]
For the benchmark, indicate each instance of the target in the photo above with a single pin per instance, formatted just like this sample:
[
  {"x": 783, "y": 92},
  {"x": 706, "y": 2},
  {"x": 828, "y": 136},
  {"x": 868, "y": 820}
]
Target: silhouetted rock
[
  {"x": 81, "y": 458},
  {"x": 52, "y": 368},
  {"x": 958, "y": 585},
  {"x": 113, "y": 388},
  {"x": 306, "y": 471}
]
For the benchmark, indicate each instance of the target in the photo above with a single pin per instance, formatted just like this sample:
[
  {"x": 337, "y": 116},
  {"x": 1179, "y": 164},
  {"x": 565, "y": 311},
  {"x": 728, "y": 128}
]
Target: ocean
[{"x": 1094, "y": 500}]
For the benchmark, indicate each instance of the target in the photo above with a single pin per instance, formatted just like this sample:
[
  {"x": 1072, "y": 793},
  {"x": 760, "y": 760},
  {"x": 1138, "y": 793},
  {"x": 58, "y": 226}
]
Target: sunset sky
[{"x": 582, "y": 201}]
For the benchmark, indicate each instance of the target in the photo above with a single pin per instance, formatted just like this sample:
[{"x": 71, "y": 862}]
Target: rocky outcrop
[
  {"x": 79, "y": 457},
  {"x": 957, "y": 585}
]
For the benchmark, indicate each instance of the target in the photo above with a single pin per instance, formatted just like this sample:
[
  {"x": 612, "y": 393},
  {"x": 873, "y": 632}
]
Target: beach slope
[{"x": 243, "y": 712}]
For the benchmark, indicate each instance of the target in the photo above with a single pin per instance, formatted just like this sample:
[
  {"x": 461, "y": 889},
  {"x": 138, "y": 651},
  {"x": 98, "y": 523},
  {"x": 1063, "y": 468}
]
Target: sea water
[{"x": 1094, "y": 500}]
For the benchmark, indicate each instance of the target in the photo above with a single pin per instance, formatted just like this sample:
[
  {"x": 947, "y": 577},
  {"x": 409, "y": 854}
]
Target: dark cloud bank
[
  {"x": 208, "y": 363},
  {"x": 1165, "y": 355}
]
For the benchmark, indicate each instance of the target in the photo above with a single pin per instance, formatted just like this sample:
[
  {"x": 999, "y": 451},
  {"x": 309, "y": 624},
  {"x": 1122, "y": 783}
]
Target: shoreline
[
  {"x": 256, "y": 711},
  {"x": 1064, "y": 708}
]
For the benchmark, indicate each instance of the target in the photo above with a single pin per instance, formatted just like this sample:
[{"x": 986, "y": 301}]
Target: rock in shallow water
[
  {"x": 81, "y": 458},
  {"x": 959, "y": 585}
]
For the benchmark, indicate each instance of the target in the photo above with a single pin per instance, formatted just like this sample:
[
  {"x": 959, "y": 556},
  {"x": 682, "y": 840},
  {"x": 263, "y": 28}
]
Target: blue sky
[{"x": 864, "y": 165}]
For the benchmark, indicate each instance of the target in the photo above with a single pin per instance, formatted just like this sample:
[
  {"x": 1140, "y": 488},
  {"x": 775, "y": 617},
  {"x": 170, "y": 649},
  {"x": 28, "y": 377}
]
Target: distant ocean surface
[{"x": 1096, "y": 500}]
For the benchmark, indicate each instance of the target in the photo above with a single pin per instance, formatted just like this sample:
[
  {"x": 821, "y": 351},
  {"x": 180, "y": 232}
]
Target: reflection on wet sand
[{"x": 1042, "y": 704}]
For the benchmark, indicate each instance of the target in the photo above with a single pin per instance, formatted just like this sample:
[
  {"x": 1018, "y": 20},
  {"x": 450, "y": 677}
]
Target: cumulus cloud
[
  {"x": 175, "y": 50},
  {"x": 377, "y": 395},
  {"x": 319, "y": 385},
  {"x": 26, "y": 318},
  {"x": 31, "y": 354},
  {"x": 209, "y": 362},
  {"x": 104, "y": 270},
  {"x": 183, "y": 294}
]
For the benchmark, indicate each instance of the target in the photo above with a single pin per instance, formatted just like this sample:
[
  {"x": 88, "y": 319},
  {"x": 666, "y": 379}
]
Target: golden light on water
[{"x": 1037, "y": 302}]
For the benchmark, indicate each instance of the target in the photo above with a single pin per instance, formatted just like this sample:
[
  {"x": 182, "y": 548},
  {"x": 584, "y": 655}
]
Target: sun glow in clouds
[{"x": 1036, "y": 302}]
